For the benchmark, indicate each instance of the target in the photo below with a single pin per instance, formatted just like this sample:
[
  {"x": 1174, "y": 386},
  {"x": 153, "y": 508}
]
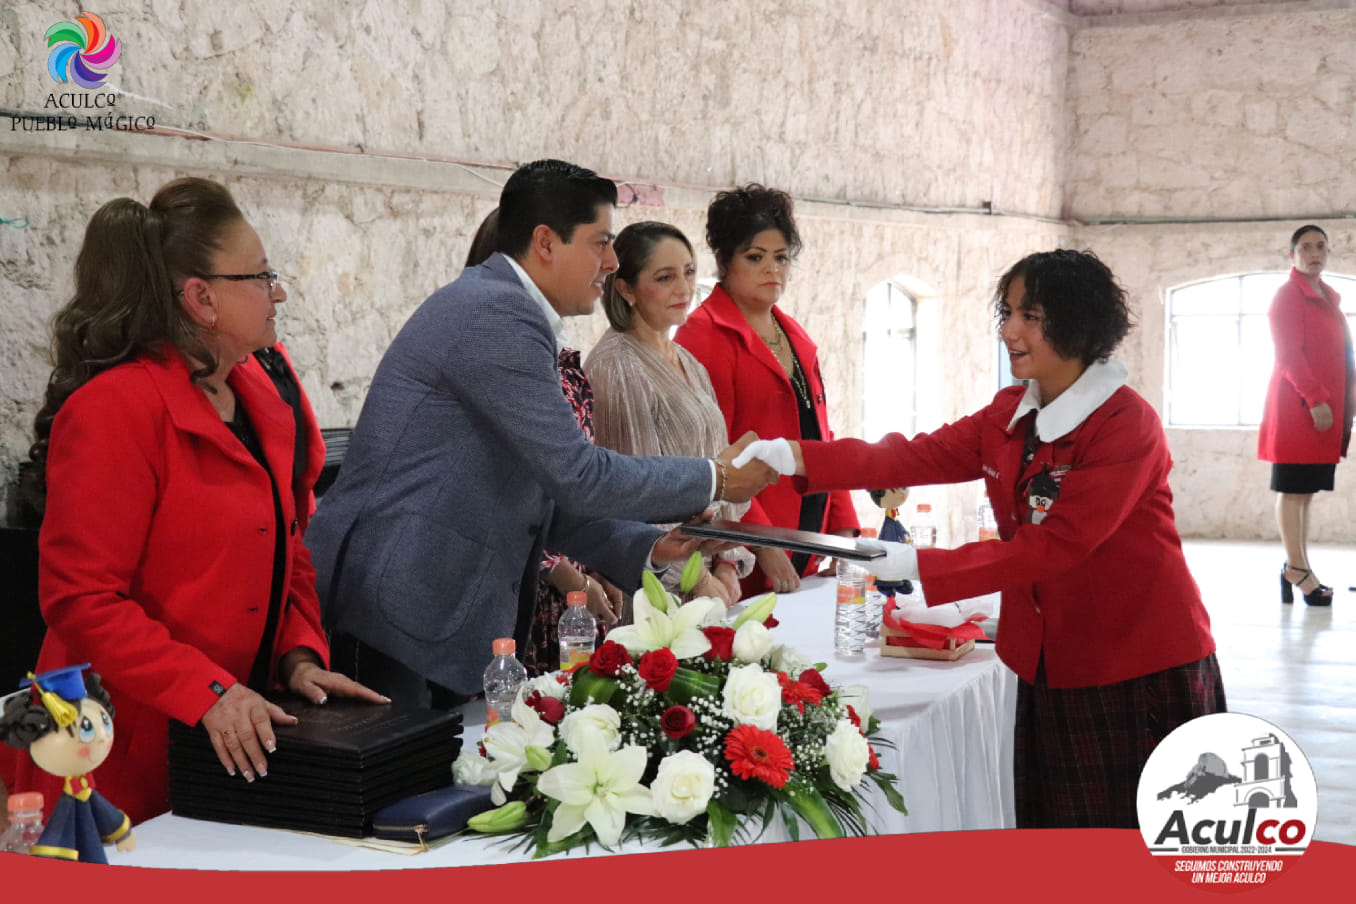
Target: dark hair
[
  {"x": 1086, "y": 315},
  {"x": 551, "y": 193},
  {"x": 1299, "y": 234},
  {"x": 133, "y": 259},
  {"x": 25, "y": 720},
  {"x": 483, "y": 243},
  {"x": 634, "y": 246},
  {"x": 734, "y": 217}
]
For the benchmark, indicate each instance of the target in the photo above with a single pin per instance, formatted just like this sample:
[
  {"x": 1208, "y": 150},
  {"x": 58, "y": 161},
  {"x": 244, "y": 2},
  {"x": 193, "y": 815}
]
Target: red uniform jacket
[
  {"x": 754, "y": 393},
  {"x": 156, "y": 557},
  {"x": 1313, "y": 366},
  {"x": 1100, "y": 587}
]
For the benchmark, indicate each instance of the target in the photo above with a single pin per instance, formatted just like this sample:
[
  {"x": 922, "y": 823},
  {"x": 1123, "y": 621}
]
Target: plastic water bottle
[
  {"x": 503, "y": 676},
  {"x": 923, "y": 530},
  {"x": 875, "y": 600},
  {"x": 577, "y": 630},
  {"x": 25, "y": 823},
  {"x": 849, "y": 620},
  {"x": 988, "y": 524}
]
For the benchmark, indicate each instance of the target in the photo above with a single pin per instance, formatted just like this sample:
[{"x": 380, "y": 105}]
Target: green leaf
[
  {"x": 810, "y": 806},
  {"x": 586, "y": 687},
  {"x": 688, "y": 685},
  {"x": 721, "y": 823},
  {"x": 886, "y": 783},
  {"x": 692, "y": 572},
  {"x": 758, "y": 610}
]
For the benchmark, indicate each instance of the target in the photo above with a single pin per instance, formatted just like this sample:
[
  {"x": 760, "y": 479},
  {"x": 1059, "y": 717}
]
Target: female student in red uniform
[
  {"x": 1311, "y": 399},
  {"x": 170, "y": 555},
  {"x": 1100, "y": 618},
  {"x": 763, "y": 365}
]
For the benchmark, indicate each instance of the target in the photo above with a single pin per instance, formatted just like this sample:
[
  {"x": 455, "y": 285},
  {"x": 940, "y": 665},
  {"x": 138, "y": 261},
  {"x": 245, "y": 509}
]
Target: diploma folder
[
  {"x": 338, "y": 766},
  {"x": 785, "y": 538}
]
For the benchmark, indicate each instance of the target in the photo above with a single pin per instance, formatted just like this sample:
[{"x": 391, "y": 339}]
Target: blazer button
[
  {"x": 264, "y": 529},
  {"x": 514, "y": 585}
]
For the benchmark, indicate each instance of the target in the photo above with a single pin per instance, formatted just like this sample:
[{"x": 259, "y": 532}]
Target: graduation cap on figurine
[{"x": 60, "y": 691}]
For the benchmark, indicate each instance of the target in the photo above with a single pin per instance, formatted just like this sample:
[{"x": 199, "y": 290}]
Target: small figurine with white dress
[
  {"x": 67, "y": 726},
  {"x": 892, "y": 530}
]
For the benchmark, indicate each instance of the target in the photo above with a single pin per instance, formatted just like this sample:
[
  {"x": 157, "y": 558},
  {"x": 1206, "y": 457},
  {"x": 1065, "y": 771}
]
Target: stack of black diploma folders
[{"x": 332, "y": 771}]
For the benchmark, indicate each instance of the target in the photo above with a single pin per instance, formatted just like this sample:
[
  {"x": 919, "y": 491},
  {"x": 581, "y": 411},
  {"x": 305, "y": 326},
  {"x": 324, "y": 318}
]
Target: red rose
[
  {"x": 770, "y": 622},
  {"x": 873, "y": 764},
  {"x": 677, "y": 721},
  {"x": 608, "y": 659},
  {"x": 549, "y": 708},
  {"x": 722, "y": 643},
  {"x": 816, "y": 681},
  {"x": 657, "y": 668},
  {"x": 856, "y": 719}
]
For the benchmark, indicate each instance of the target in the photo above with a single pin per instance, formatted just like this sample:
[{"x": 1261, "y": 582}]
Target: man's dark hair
[
  {"x": 551, "y": 193},
  {"x": 1085, "y": 311}
]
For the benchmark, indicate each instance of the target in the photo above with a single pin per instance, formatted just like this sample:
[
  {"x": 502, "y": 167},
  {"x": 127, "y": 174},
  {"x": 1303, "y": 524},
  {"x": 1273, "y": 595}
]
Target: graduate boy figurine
[
  {"x": 894, "y": 531},
  {"x": 67, "y": 725}
]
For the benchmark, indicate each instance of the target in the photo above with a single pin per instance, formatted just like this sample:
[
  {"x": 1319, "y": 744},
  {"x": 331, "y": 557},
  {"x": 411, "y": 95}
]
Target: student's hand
[
  {"x": 782, "y": 455},
  {"x": 743, "y": 483},
  {"x": 776, "y": 565}
]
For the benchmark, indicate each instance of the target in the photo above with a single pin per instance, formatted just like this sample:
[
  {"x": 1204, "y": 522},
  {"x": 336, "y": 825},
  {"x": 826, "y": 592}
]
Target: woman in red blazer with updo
[
  {"x": 1306, "y": 425},
  {"x": 764, "y": 367}
]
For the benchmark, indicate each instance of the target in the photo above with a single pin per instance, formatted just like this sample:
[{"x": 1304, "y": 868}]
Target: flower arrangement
[{"x": 683, "y": 727}]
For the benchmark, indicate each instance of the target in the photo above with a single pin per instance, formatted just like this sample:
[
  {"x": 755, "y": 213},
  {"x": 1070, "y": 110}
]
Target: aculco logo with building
[{"x": 1227, "y": 801}]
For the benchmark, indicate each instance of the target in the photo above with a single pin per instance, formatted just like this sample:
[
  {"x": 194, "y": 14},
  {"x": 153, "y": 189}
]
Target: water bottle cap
[
  {"x": 504, "y": 645},
  {"x": 25, "y": 802},
  {"x": 924, "y": 507},
  {"x": 870, "y": 532},
  {"x": 576, "y": 598}
]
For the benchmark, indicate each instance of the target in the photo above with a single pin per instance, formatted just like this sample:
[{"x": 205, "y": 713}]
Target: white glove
[
  {"x": 775, "y": 453},
  {"x": 900, "y": 562}
]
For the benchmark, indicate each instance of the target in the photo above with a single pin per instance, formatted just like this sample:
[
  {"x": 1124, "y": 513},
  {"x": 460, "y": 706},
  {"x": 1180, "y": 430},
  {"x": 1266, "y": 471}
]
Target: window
[
  {"x": 1219, "y": 347},
  {"x": 890, "y": 355}
]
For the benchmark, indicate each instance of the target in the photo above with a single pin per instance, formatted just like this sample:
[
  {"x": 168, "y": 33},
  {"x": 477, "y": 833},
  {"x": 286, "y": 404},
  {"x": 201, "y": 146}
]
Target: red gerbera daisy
[
  {"x": 755, "y": 753},
  {"x": 797, "y": 692}
]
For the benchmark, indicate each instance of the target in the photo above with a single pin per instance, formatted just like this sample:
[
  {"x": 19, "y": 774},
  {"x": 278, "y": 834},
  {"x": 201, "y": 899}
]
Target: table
[{"x": 951, "y": 724}]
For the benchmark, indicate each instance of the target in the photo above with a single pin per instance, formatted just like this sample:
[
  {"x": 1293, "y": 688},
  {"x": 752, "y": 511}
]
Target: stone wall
[{"x": 373, "y": 138}]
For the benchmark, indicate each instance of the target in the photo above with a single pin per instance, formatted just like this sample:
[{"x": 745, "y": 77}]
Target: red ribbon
[{"x": 934, "y": 637}]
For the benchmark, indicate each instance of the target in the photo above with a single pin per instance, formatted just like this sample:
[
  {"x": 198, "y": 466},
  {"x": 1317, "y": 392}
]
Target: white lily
[
  {"x": 679, "y": 629},
  {"x": 506, "y": 745},
  {"x": 599, "y": 789}
]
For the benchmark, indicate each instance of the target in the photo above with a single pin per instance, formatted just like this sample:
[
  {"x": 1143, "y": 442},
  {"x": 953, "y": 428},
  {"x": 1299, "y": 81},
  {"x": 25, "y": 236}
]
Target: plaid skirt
[{"x": 1078, "y": 752}]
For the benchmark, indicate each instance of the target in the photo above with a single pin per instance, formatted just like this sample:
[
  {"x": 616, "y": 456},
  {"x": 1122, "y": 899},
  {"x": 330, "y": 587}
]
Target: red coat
[
  {"x": 156, "y": 557},
  {"x": 1099, "y": 587},
  {"x": 754, "y": 393},
  {"x": 1313, "y": 366}
]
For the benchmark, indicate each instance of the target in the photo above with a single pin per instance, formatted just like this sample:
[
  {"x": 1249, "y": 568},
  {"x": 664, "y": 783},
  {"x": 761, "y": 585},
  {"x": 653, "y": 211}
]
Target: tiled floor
[{"x": 1294, "y": 666}]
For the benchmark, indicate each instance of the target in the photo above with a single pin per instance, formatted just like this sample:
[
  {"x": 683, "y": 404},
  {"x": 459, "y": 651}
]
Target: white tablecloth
[{"x": 950, "y": 722}]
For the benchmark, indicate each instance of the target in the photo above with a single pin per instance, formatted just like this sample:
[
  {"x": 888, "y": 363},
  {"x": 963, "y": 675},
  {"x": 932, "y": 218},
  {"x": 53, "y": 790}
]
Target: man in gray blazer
[{"x": 467, "y": 459}]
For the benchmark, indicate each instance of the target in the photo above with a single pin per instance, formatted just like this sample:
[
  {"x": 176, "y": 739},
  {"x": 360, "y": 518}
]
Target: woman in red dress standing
[
  {"x": 764, "y": 367},
  {"x": 1306, "y": 426}
]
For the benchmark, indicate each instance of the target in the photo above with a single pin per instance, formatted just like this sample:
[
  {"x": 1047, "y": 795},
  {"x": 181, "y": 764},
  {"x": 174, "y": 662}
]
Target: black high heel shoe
[{"x": 1319, "y": 596}]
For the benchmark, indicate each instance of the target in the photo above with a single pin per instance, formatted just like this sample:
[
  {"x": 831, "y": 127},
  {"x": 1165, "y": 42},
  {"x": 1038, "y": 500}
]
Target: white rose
[
  {"x": 753, "y": 697},
  {"x": 848, "y": 755},
  {"x": 547, "y": 684},
  {"x": 471, "y": 768},
  {"x": 789, "y": 660},
  {"x": 683, "y": 786},
  {"x": 855, "y": 695},
  {"x": 596, "y": 718},
  {"x": 752, "y": 641}
]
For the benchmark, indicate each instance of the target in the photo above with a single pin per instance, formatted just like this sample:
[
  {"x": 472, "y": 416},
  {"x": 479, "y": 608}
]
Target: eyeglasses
[{"x": 268, "y": 275}]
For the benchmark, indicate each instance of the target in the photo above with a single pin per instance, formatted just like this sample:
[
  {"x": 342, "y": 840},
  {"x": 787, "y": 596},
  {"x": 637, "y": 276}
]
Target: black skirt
[{"x": 1301, "y": 479}]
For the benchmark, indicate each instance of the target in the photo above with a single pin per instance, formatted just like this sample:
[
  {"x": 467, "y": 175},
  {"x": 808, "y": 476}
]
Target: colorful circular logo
[
  {"x": 1227, "y": 802},
  {"x": 81, "y": 51}
]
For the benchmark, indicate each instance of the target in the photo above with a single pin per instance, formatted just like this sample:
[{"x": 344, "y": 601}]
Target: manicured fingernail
[
  {"x": 385, "y": 699},
  {"x": 249, "y": 776},
  {"x": 322, "y": 700},
  {"x": 263, "y": 771}
]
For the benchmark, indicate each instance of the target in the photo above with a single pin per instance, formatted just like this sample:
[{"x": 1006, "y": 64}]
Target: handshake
[{"x": 760, "y": 462}]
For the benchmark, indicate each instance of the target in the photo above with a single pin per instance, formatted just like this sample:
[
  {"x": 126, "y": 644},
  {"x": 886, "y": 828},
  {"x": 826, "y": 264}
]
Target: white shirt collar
[
  {"x": 1097, "y": 384},
  {"x": 556, "y": 321}
]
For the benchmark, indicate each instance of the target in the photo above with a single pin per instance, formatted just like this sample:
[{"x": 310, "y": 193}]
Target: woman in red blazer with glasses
[
  {"x": 764, "y": 367},
  {"x": 1311, "y": 399}
]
